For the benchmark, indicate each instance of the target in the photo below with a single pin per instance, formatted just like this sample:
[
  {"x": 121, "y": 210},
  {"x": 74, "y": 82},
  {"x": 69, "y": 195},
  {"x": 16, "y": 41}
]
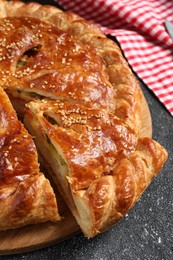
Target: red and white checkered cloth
[{"x": 139, "y": 28}]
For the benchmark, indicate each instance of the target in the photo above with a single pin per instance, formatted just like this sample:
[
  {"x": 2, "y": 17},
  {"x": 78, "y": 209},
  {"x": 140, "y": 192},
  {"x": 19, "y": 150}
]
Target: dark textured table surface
[{"x": 146, "y": 233}]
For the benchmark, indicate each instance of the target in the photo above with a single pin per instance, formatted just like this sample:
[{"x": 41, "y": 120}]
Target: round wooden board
[{"x": 38, "y": 236}]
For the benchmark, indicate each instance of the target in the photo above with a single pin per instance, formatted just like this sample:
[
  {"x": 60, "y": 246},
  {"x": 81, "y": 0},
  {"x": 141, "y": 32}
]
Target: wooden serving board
[{"x": 38, "y": 236}]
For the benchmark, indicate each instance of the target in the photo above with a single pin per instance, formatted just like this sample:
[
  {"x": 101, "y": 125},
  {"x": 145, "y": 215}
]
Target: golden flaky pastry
[
  {"x": 84, "y": 108},
  {"x": 26, "y": 196}
]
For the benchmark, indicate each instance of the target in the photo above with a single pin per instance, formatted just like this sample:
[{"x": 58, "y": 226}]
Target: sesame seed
[
  {"x": 5, "y": 154},
  {"x": 63, "y": 61},
  {"x": 31, "y": 85}
]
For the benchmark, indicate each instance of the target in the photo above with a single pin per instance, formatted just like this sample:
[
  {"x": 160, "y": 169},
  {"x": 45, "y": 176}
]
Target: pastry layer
[{"x": 26, "y": 196}]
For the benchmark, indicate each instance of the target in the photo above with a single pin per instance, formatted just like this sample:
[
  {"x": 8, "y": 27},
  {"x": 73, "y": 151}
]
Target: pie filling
[{"x": 27, "y": 55}]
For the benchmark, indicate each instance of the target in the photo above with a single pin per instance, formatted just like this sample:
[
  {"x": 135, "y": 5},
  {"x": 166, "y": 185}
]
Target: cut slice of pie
[
  {"x": 96, "y": 160},
  {"x": 26, "y": 196}
]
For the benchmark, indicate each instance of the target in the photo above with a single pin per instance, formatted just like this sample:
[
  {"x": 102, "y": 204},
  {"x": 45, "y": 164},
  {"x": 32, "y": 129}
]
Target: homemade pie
[{"x": 81, "y": 102}]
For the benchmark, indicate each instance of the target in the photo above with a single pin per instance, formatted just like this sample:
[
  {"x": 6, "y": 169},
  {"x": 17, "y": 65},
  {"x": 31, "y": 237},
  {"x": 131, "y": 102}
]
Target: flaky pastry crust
[
  {"x": 84, "y": 109},
  {"x": 26, "y": 196}
]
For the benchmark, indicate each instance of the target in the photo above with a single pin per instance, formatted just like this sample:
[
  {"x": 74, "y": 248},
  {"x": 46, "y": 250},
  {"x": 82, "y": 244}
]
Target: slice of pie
[
  {"x": 84, "y": 108},
  {"x": 95, "y": 160},
  {"x": 26, "y": 196}
]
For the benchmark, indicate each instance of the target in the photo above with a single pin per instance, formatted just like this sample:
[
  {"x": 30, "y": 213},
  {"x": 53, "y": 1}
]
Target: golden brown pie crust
[
  {"x": 26, "y": 196},
  {"x": 47, "y": 53}
]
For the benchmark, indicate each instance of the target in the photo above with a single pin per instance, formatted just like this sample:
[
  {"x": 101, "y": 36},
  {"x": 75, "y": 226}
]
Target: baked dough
[
  {"x": 26, "y": 196},
  {"x": 83, "y": 106},
  {"x": 85, "y": 51},
  {"x": 36, "y": 65},
  {"x": 96, "y": 160}
]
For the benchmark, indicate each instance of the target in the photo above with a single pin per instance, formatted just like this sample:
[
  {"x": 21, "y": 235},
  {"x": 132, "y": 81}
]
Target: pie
[{"x": 77, "y": 96}]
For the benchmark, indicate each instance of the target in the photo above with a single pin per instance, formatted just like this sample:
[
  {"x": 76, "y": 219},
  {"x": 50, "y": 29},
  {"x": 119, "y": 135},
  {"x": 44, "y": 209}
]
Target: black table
[{"x": 146, "y": 233}]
